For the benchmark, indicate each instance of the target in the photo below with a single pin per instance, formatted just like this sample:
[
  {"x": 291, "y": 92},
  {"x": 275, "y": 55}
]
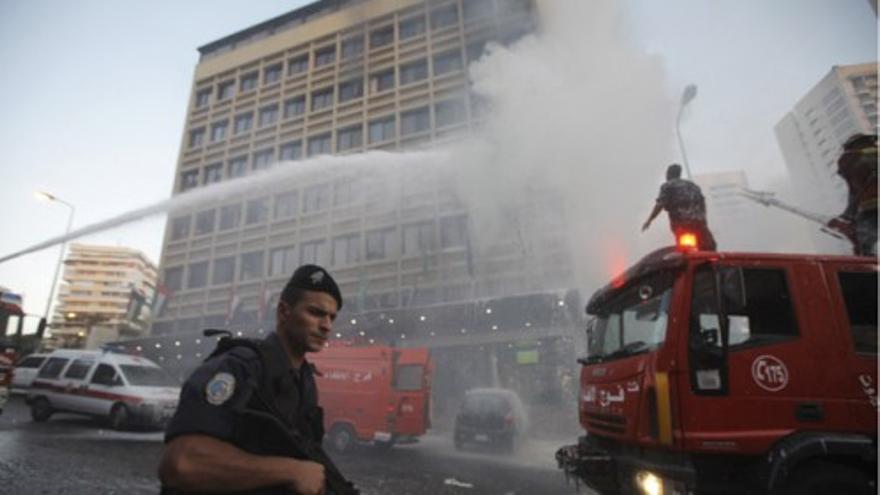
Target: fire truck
[
  {"x": 373, "y": 393},
  {"x": 13, "y": 343},
  {"x": 730, "y": 373}
]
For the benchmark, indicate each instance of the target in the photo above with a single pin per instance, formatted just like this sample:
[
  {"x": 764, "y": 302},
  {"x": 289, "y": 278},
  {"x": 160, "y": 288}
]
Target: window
[
  {"x": 196, "y": 137},
  {"x": 414, "y": 71},
  {"x": 313, "y": 252},
  {"x": 237, "y": 167},
  {"x": 319, "y": 145},
  {"x": 418, "y": 238},
  {"x": 474, "y": 9},
  {"x": 444, "y": 16},
  {"x": 218, "y": 131},
  {"x": 291, "y": 151},
  {"x": 213, "y": 173},
  {"x": 286, "y": 205},
  {"x": 352, "y": 47},
  {"x": 203, "y": 98},
  {"x": 248, "y": 82},
  {"x": 198, "y": 275},
  {"x": 412, "y": 27},
  {"x": 475, "y": 50},
  {"x": 268, "y": 115},
  {"x": 52, "y": 368},
  {"x": 282, "y": 261},
  {"x": 346, "y": 250},
  {"x": 224, "y": 270},
  {"x": 859, "y": 291},
  {"x": 180, "y": 228},
  {"x": 79, "y": 368},
  {"x": 315, "y": 198},
  {"x": 294, "y": 106},
  {"x": 345, "y": 192},
  {"x": 322, "y": 98},
  {"x": 298, "y": 65},
  {"x": 257, "y": 211},
  {"x": 189, "y": 180},
  {"x": 450, "y": 112},
  {"x": 453, "y": 232},
  {"x": 251, "y": 266},
  {"x": 350, "y": 90},
  {"x": 349, "y": 138},
  {"x": 205, "y": 222},
  {"x": 414, "y": 121},
  {"x": 447, "y": 62},
  {"x": 382, "y": 129},
  {"x": 380, "y": 244},
  {"x": 263, "y": 159},
  {"x": 32, "y": 362},
  {"x": 381, "y": 37},
  {"x": 382, "y": 81},
  {"x": 174, "y": 278},
  {"x": 104, "y": 374},
  {"x": 225, "y": 90},
  {"x": 325, "y": 56},
  {"x": 272, "y": 74},
  {"x": 243, "y": 122}
]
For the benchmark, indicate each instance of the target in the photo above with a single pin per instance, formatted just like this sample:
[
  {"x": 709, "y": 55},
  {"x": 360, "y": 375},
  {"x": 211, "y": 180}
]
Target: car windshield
[
  {"x": 147, "y": 376},
  {"x": 485, "y": 404},
  {"x": 631, "y": 323}
]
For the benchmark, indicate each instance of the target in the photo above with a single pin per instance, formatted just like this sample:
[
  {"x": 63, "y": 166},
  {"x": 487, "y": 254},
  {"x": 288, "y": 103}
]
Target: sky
[{"x": 94, "y": 99}]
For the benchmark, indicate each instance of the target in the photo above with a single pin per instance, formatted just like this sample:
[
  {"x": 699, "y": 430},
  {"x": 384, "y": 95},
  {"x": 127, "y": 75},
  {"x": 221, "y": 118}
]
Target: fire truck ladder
[{"x": 768, "y": 199}]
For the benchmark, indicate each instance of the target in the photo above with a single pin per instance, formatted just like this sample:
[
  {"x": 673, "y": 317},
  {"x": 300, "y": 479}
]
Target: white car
[
  {"x": 121, "y": 388},
  {"x": 24, "y": 372}
]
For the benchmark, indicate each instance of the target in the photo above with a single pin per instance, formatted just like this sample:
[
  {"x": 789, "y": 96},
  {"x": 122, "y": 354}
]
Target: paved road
[{"x": 70, "y": 454}]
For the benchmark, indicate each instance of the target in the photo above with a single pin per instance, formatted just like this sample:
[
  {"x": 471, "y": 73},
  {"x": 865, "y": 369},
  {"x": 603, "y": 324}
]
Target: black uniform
[
  {"x": 246, "y": 395},
  {"x": 684, "y": 203}
]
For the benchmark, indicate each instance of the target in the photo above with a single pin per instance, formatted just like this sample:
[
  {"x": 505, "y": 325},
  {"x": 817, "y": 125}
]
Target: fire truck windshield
[{"x": 631, "y": 323}]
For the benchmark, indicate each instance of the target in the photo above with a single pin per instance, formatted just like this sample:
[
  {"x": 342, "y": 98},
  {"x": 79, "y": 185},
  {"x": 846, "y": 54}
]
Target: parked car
[
  {"x": 25, "y": 371},
  {"x": 491, "y": 416},
  {"x": 123, "y": 389}
]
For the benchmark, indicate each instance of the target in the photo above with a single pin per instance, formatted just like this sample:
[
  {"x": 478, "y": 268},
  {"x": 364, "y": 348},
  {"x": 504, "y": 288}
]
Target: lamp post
[
  {"x": 42, "y": 195},
  {"x": 690, "y": 92}
]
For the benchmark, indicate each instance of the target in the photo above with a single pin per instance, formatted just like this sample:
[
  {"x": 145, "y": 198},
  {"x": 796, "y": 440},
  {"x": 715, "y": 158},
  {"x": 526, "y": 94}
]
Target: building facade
[
  {"x": 843, "y": 103},
  {"x": 105, "y": 296}
]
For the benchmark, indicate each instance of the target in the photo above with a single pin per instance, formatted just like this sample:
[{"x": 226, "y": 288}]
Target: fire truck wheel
[
  {"x": 118, "y": 416},
  {"x": 342, "y": 438},
  {"x": 824, "y": 477},
  {"x": 41, "y": 410}
]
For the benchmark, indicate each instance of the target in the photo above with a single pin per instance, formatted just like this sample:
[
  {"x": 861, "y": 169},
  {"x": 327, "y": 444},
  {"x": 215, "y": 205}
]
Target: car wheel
[
  {"x": 118, "y": 417},
  {"x": 342, "y": 438},
  {"x": 41, "y": 410}
]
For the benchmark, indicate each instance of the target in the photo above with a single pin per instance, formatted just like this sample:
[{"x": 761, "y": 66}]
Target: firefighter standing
[
  {"x": 858, "y": 167},
  {"x": 684, "y": 203},
  {"x": 219, "y": 439}
]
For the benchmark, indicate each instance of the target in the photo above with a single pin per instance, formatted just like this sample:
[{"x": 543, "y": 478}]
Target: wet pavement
[{"x": 73, "y": 454}]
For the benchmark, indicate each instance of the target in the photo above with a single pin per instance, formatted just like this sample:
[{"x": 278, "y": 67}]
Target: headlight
[{"x": 649, "y": 483}]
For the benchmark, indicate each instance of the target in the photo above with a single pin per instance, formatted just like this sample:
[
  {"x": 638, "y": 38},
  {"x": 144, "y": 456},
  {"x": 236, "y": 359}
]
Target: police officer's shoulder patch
[{"x": 220, "y": 388}]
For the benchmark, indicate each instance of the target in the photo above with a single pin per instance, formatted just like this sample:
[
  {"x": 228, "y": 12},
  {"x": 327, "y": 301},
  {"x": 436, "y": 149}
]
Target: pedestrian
[
  {"x": 857, "y": 166},
  {"x": 250, "y": 411},
  {"x": 684, "y": 203}
]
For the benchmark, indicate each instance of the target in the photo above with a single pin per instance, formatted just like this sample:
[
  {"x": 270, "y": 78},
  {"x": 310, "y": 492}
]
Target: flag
[
  {"x": 232, "y": 305},
  {"x": 263, "y": 302},
  {"x": 161, "y": 296}
]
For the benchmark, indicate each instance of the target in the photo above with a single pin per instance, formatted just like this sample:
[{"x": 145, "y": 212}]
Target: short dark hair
[{"x": 673, "y": 171}]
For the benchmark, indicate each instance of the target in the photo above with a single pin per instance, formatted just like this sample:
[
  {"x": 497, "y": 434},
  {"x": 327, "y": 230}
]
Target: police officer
[
  {"x": 857, "y": 166},
  {"x": 224, "y": 435},
  {"x": 684, "y": 203}
]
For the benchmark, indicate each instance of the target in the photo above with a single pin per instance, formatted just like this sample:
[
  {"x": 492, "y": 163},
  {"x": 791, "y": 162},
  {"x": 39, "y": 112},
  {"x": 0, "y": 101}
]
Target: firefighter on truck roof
[
  {"x": 858, "y": 167},
  {"x": 684, "y": 203},
  {"x": 248, "y": 419}
]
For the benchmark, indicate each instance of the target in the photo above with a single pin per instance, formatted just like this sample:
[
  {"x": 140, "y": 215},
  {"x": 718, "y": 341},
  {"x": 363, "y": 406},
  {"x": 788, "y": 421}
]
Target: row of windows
[
  {"x": 322, "y": 99},
  {"x": 345, "y": 250},
  {"x": 353, "y": 46},
  {"x": 446, "y": 113}
]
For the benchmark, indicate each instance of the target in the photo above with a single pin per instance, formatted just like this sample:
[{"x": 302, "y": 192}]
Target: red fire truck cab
[
  {"x": 374, "y": 394},
  {"x": 731, "y": 373}
]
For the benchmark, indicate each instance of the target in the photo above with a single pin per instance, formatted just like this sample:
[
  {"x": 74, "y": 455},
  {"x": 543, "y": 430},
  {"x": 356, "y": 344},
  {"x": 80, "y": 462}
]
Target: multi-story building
[
  {"x": 843, "y": 103},
  {"x": 415, "y": 263},
  {"x": 105, "y": 296}
]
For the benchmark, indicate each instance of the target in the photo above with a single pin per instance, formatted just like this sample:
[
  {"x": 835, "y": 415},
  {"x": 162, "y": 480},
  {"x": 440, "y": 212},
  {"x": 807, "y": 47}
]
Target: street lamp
[
  {"x": 44, "y": 196},
  {"x": 690, "y": 92}
]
